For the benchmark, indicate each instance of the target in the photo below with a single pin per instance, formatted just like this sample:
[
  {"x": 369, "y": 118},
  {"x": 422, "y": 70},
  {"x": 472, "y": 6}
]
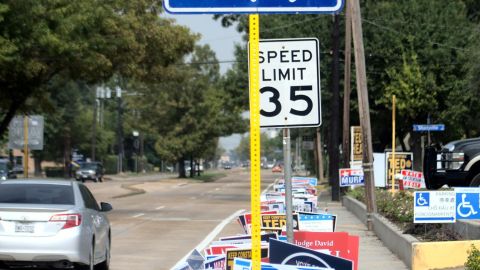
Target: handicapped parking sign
[
  {"x": 422, "y": 199},
  {"x": 468, "y": 203}
]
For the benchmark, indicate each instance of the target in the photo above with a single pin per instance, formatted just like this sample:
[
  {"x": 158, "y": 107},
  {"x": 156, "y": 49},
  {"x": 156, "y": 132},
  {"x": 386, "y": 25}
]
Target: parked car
[
  {"x": 6, "y": 171},
  {"x": 52, "y": 223},
  {"x": 277, "y": 168},
  {"x": 227, "y": 166},
  {"x": 90, "y": 171}
]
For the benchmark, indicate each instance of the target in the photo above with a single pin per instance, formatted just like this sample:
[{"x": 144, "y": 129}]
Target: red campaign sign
[
  {"x": 412, "y": 179},
  {"x": 339, "y": 244},
  {"x": 248, "y": 217}
]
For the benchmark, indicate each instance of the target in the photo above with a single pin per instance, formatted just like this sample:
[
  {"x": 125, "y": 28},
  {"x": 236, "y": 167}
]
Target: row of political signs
[
  {"x": 407, "y": 179},
  {"x": 447, "y": 206},
  {"x": 316, "y": 244}
]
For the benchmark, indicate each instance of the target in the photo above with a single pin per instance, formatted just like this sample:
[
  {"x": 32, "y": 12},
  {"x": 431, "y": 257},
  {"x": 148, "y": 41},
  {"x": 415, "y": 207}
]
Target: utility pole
[
  {"x": 347, "y": 85},
  {"x": 25, "y": 146},
  {"x": 335, "y": 120},
  {"x": 364, "y": 110}
]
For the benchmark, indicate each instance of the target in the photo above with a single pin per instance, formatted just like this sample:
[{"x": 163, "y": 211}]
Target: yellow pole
[
  {"x": 25, "y": 146},
  {"x": 254, "y": 71},
  {"x": 393, "y": 163}
]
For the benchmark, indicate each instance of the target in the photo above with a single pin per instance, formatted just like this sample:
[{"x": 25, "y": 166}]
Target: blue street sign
[
  {"x": 253, "y": 6},
  {"x": 468, "y": 200},
  {"x": 436, "y": 127}
]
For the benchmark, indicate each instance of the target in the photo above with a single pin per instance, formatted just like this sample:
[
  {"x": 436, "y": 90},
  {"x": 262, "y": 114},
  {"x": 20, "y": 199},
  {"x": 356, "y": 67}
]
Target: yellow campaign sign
[
  {"x": 255, "y": 180},
  {"x": 231, "y": 254},
  {"x": 356, "y": 143},
  {"x": 277, "y": 221},
  {"x": 403, "y": 161}
]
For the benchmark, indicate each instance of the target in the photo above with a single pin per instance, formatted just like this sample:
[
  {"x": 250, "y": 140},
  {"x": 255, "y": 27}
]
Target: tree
[{"x": 84, "y": 40}]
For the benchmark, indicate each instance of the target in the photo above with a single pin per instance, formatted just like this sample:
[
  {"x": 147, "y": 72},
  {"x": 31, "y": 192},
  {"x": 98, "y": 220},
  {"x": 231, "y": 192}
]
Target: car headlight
[
  {"x": 91, "y": 172},
  {"x": 3, "y": 178},
  {"x": 456, "y": 161}
]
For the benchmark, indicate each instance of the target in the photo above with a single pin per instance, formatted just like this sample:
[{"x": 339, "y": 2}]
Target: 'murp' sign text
[{"x": 290, "y": 83}]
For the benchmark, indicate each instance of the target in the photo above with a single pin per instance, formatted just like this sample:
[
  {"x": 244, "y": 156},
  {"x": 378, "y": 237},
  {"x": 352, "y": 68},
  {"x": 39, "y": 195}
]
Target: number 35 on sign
[{"x": 290, "y": 83}]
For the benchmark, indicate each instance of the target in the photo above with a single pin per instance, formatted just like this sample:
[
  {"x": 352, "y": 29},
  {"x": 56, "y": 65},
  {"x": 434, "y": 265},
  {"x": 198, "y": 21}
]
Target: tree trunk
[
  {"x": 181, "y": 168},
  {"x": 417, "y": 151},
  {"x": 67, "y": 150}
]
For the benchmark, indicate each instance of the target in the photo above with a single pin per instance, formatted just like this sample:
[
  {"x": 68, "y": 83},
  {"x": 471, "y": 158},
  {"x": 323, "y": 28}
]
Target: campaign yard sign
[
  {"x": 289, "y": 254},
  {"x": 412, "y": 179},
  {"x": 316, "y": 223},
  {"x": 305, "y": 180},
  {"x": 217, "y": 263},
  {"x": 243, "y": 253},
  {"x": 278, "y": 221},
  {"x": 243, "y": 264},
  {"x": 351, "y": 177},
  {"x": 339, "y": 244}
]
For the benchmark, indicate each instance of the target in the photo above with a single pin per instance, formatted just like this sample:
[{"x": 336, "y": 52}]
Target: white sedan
[{"x": 52, "y": 223}]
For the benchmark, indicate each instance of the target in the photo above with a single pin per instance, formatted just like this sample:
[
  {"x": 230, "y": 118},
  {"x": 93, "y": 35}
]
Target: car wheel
[
  {"x": 95, "y": 179},
  {"x": 475, "y": 181},
  {"x": 105, "y": 265},
  {"x": 100, "y": 179}
]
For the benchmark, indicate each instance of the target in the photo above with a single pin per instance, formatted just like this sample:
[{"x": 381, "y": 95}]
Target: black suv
[{"x": 90, "y": 171}]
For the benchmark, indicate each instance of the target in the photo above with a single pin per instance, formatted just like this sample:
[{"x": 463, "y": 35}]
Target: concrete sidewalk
[{"x": 372, "y": 253}]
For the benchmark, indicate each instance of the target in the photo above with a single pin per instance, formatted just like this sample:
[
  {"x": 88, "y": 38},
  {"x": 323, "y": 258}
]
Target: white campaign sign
[{"x": 290, "y": 83}]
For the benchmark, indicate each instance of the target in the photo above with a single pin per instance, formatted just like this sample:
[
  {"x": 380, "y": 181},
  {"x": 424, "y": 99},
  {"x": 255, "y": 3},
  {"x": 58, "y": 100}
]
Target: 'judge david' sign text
[{"x": 290, "y": 83}]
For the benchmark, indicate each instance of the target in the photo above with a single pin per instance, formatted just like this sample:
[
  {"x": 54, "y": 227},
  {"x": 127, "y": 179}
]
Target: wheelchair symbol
[
  {"x": 465, "y": 208},
  {"x": 421, "y": 201}
]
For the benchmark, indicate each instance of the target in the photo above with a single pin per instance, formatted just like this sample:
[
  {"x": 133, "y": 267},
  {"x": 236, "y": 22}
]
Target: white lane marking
[
  {"x": 266, "y": 190},
  {"x": 210, "y": 237},
  {"x": 160, "y": 207},
  {"x": 138, "y": 215}
]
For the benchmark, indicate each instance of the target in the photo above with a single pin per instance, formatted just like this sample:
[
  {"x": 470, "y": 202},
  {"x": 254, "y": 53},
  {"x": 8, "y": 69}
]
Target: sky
[{"x": 222, "y": 41}]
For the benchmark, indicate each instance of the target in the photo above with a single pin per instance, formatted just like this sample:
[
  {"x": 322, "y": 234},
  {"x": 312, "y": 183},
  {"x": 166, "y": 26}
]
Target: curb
[
  {"x": 415, "y": 254},
  {"x": 398, "y": 243}
]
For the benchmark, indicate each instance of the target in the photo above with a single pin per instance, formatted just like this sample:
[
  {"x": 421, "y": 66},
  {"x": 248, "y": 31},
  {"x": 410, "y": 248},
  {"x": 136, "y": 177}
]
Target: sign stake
[
  {"x": 393, "y": 164},
  {"x": 254, "y": 70}
]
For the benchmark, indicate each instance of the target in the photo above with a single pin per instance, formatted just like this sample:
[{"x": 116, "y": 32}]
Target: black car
[
  {"x": 90, "y": 171},
  {"x": 6, "y": 170}
]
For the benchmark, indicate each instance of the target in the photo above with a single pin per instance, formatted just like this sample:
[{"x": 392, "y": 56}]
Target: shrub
[
  {"x": 56, "y": 172},
  {"x": 473, "y": 261}
]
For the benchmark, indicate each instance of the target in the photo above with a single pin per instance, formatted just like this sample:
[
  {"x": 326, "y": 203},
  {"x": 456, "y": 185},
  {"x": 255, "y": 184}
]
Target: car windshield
[
  {"x": 36, "y": 194},
  {"x": 88, "y": 166}
]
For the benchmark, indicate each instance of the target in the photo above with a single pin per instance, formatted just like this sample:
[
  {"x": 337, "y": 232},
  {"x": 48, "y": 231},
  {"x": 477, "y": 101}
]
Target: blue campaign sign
[
  {"x": 253, "y": 6},
  {"x": 289, "y": 254},
  {"x": 468, "y": 203},
  {"x": 437, "y": 127},
  {"x": 351, "y": 177},
  {"x": 310, "y": 180}
]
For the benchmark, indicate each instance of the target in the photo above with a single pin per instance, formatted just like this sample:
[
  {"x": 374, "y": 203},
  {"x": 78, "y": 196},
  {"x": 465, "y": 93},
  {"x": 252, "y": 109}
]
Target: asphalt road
[{"x": 156, "y": 229}]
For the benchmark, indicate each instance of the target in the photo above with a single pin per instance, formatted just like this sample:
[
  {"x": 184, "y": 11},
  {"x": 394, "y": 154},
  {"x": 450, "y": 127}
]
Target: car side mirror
[{"x": 105, "y": 207}]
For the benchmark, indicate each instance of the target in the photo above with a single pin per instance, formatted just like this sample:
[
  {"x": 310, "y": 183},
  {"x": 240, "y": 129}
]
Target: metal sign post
[{"x": 287, "y": 153}]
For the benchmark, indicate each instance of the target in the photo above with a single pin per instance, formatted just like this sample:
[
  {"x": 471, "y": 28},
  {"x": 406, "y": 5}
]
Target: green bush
[
  {"x": 110, "y": 164},
  {"x": 473, "y": 261},
  {"x": 397, "y": 207},
  {"x": 55, "y": 172}
]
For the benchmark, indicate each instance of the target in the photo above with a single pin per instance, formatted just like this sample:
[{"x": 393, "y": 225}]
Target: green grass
[{"x": 209, "y": 177}]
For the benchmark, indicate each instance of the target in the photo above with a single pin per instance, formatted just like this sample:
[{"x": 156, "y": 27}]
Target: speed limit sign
[{"x": 290, "y": 83}]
